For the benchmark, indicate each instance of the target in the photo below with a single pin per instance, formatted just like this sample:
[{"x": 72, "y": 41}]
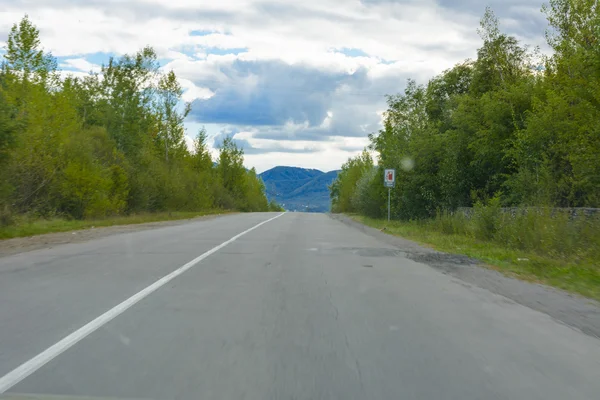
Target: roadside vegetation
[
  {"x": 30, "y": 226},
  {"x": 512, "y": 128},
  {"x": 106, "y": 145}
]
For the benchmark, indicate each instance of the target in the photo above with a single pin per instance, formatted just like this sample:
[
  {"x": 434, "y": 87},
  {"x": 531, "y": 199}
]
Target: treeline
[
  {"x": 107, "y": 144},
  {"x": 513, "y": 125}
]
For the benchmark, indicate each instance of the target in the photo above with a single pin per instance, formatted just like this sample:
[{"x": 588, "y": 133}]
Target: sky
[{"x": 298, "y": 83}]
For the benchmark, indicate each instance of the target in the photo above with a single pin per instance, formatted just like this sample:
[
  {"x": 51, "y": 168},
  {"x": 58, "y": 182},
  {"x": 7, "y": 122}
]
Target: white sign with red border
[{"x": 389, "y": 178}]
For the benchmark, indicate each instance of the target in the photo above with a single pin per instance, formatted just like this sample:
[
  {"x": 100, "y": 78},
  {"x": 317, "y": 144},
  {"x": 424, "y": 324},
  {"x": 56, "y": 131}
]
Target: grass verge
[
  {"x": 27, "y": 226},
  {"x": 574, "y": 273}
]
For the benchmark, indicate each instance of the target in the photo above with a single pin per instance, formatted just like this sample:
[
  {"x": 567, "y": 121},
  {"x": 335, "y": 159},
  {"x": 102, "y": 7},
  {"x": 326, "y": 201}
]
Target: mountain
[{"x": 299, "y": 189}]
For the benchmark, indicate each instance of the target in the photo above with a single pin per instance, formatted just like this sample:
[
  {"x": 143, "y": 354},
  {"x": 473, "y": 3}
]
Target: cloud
[
  {"x": 276, "y": 148},
  {"x": 296, "y": 102},
  {"x": 251, "y": 146},
  {"x": 79, "y": 64},
  {"x": 273, "y": 93},
  {"x": 193, "y": 92},
  {"x": 521, "y": 18}
]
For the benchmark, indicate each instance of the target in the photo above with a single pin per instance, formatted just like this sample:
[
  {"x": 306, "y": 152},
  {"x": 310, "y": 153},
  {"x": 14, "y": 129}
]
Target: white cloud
[
  {"x": 79, "y": 64},
  {"x": 75, "y": 74},
  {"x": 193, "y": 92},
  {"x": 218, "y": 40}
]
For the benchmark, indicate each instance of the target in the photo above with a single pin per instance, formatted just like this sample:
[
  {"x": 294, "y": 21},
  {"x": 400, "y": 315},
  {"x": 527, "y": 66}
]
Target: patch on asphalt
[
  {"x": 371, "y": 251},
  {"x": 441, "y": 258},
  {"x": 446, "y": 263}
]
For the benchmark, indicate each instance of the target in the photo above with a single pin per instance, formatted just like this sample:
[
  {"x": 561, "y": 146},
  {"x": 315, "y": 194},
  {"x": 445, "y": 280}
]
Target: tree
[
  {"x": 127, "y": 92},
  {"x": 24, "y": 55},
  {"x": 231, "y": 167},
  {"x": 170, "y": 121},
  {"x": 202, "y": 160},
  {"x": 8, "y": 127},
  {"x": 343, "y": 187},
  {"x": 8, "y": 132},
  {"x": 556, "y": 154},
  {"x": 274, "y": 206},
  {"x": 368, "y": 197}
]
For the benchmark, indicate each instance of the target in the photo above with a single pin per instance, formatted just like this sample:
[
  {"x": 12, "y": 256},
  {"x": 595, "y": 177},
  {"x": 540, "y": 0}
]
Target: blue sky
[{"x": 295, "y": 83}]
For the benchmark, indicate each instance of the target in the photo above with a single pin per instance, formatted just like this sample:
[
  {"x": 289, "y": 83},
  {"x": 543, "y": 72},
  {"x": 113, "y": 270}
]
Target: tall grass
[{"x": 544, "y": 231}]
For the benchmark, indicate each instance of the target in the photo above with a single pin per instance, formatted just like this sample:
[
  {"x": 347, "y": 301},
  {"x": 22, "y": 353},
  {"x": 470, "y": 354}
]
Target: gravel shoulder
[
  {"x": 23, "y": 244},
  {"x": 574, "y": 311}
]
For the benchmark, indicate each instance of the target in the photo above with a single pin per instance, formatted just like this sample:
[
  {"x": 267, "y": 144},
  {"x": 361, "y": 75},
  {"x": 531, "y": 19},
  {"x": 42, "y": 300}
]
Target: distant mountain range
[{"x": 299, "y": 189}]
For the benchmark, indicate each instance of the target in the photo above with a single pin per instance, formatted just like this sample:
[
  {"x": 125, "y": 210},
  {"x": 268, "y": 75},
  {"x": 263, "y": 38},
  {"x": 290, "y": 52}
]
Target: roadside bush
[
  {"x": 451, "y": 223},
  {"x": 550, "y": 232},
  {"x": 520, "y": 231},
  {"x": 83, "y": 191},
  {"x": 486, "y": 218},
  {"x": 589, "y": 237},
  {"x": 223, "y": 199},
  {"x": 545, "y": 231},
  {"x": 274, "y": 206},
  {"x": 342, "y": 189},
  {"x": 366, "y": 198},
  {"x": 6, "y": 216},
  {"x": 203, "y": 194}
]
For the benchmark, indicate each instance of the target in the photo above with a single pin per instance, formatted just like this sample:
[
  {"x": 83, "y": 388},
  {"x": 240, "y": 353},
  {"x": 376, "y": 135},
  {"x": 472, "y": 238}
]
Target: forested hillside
[
  {"x": 513, "y": 125},
  {"x": 282, "y": 180},
  {"x": 106, "y": 144},
  {"x": 299, "y": 189}
]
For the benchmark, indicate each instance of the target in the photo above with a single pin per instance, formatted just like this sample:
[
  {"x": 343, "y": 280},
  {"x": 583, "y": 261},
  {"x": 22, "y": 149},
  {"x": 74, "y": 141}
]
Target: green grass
[
  {"x": 27, "y": 226},
  {"x": 576, "y": 270}
]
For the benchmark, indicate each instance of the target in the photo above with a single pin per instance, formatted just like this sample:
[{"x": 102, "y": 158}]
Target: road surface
[{"x": 292, "y": 306}]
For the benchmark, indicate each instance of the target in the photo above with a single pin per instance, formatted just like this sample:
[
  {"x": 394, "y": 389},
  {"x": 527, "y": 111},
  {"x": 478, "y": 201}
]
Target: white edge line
[{"x": 29, "y": 367}]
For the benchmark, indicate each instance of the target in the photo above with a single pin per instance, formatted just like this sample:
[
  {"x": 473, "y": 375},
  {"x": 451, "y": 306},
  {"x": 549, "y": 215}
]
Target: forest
[
  {"x": 108, "y": 144},
  {"x": 513, "y": 127}
]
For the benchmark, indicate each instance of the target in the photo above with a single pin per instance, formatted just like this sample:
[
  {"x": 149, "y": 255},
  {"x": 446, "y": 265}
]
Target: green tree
[
  {"x": 8, "y": 127},
  {"x": 368, "y": 197},
  {"x": 343, "y": 187},
  {"x": 170, "y": 121},
  {"x": 201, "y": 159},
  {"x": 8, "y": 133},
  {"x": 24, "y": 55},
  {"x": 556, "y": 154},
  {"x": 127, "y": 93},
  {"x": 274, "y": 206},
  {"x": 231, "y": 168}
]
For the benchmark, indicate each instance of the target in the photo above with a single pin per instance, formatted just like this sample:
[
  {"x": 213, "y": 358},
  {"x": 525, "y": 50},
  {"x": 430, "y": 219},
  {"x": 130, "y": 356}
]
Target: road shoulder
[
  {"x": 575, "y": 311},
  {"x": 24, "y": 244}
]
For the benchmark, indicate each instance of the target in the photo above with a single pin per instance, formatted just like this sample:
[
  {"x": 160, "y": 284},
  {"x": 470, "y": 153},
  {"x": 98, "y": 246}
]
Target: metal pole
[{"x": 389, "y": 191}]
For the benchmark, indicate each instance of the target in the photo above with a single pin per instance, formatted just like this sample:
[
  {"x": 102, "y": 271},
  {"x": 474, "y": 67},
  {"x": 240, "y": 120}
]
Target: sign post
[{"x": 389, "y": 181}]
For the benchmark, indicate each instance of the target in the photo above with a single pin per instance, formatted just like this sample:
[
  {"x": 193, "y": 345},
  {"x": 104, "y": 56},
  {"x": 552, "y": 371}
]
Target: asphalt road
[{"x": 301, "y": 307}]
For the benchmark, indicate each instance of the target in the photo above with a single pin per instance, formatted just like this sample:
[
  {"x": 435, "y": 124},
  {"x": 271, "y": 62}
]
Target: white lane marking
[{"x": 29, "y": 367}]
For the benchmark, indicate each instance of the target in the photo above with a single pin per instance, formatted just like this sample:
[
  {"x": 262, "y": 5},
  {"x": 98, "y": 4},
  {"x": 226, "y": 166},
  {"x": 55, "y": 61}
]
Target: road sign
[{"x": 389, "y": 178}]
